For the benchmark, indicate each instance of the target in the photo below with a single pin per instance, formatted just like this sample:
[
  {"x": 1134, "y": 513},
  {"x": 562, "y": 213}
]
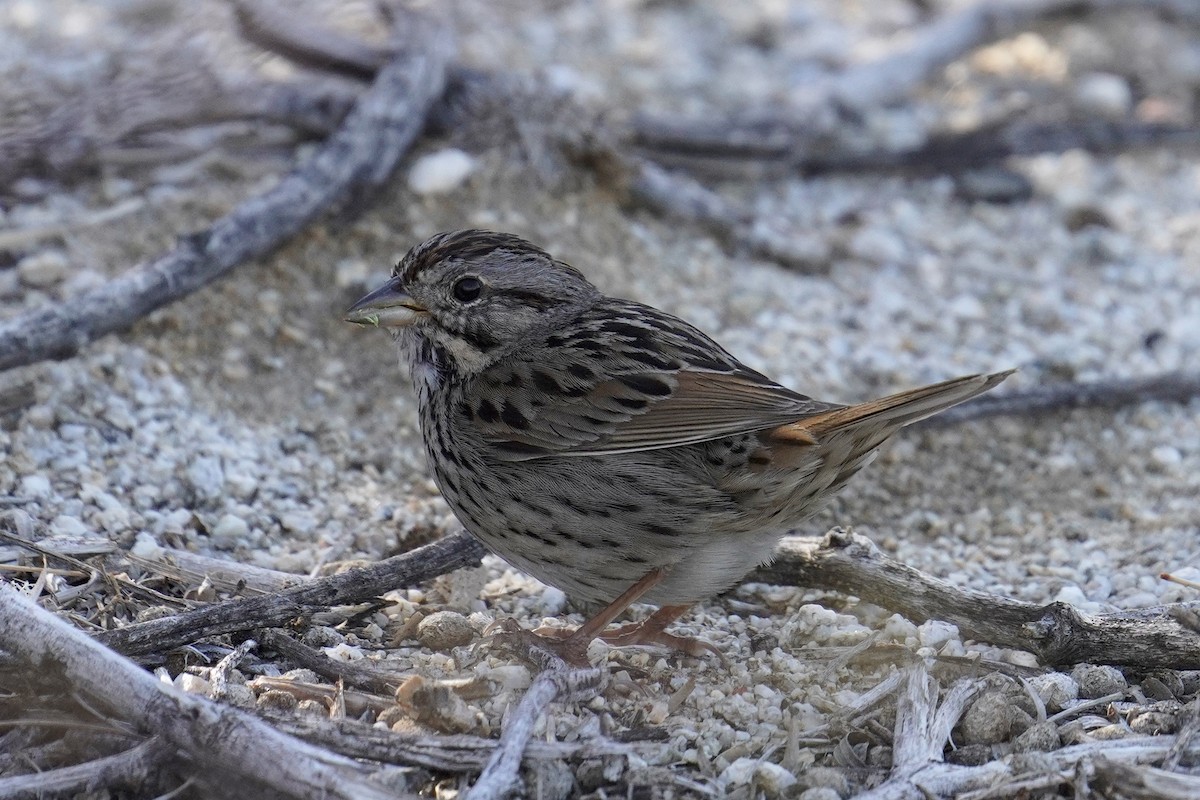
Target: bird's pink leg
[{"x": 652, "y": 630}]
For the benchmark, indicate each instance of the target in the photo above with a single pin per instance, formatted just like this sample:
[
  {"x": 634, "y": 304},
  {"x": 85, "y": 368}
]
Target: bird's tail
[{"x": 888, "y": 414}]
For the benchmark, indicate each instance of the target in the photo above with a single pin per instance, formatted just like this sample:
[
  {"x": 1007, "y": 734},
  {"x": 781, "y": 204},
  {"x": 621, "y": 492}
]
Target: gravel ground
[{"x": 248, "y": 421}]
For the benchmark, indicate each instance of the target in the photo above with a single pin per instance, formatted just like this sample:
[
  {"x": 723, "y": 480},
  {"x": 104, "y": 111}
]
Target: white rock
[
  {"x": 144, "y": 546},
  {"x": 175, "y": 521},
  {"x": 510, "y": 676},
  {"x": 192, "y": 684},
  {"x": 300, "y": 522},
  {"x": 1104, "y": 93},
  {"x": 1166, "y": 455},
  {"x": 350, "y": 272},
  {"x": 1073, "y": 595},
  {"x": 206, "y": 477},
  {"x": 44, "y": 269},
  {"x": 1056, "y": 689},
  {"x": 771, "y": 778},
  {"x": 344, "y": 652},
  {"x": 935, "y": 633},
  {"x": 440, "y": 172},
  {"x": 553, "y": 602},
  {"x": 35, "y": 486},
  {"x": 241, "y": 483},
  {"x": 66, "y": 525},
  {"x": 229, "y": 530}
]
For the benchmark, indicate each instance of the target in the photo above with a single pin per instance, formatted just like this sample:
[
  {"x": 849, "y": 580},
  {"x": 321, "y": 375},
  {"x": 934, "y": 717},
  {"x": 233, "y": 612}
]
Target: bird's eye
[{"x": 467, "y": 289}]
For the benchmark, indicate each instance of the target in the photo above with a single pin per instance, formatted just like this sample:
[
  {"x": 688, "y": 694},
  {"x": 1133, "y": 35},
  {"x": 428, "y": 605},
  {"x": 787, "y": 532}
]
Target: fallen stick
[
  {"x": 1057, "y": 633},
  {"x": 1110, "y": 393},
  {"x": 274, "y": 610},
  {"x": 218, "y": 745},
  {"x": 361, "y": 155},
  {"x": 556, "y": 681}
]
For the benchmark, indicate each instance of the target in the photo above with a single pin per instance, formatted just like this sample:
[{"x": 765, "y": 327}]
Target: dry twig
[
  {"x": 456, "y": 754},
  {"x": 358, "y": 157},
  {"x": 807, "y": 135},
  {"x": 1056, "y": 633},
  {"x": 137, "y": 770},
  {"x": 1112, "y": 393},
  {"x": 268, "y": 611},
  {"x": 223, "y": 747},
  {"x": 556, "y": 681}
]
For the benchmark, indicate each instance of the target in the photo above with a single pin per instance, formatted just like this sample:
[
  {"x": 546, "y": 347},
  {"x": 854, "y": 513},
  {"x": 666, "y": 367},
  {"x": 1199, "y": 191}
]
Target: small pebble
[
  {"x": 192, "y": 684},
  {"x": 993, "y": 185},
  {"x": 35, "y": 486},
  {"x": 1166, "y": 456},
  {"x": 1056, "y": 689},
  {"x": 993, "y": 718},
  {"x": 43, "y": 270},
  {"x": 1096, "y": 680},
  {"x": 229, "y": 531},
  {"x": 274, "y": 700},
  {"x": 440, "y": 172},
  {"x": 445, "y": 630},
  {"x": 344, "y": 652},
  {"x": 771, "y": 778},
  {"x": 239, "y": 695},
  {"x": 1104, "y": 94},
  {"x": 1039, "y": 737},
  {"x": 66, "y": 525},
  {"x": 1154, "y": 723}
]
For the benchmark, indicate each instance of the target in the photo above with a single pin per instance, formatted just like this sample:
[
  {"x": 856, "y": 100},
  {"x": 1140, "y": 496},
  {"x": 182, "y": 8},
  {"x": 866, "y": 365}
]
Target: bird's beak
[{"x": 389, "y": 306}]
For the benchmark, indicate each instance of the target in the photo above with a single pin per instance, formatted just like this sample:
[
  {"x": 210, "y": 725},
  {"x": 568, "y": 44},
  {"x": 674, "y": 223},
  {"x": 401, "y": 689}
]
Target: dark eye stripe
[{"x": 528, "y": 298}]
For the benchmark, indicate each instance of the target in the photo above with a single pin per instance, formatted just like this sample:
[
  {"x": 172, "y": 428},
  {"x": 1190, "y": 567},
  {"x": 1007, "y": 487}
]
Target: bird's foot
[
  {"x": 542, "y": 645},
  {"x": 649, "y": 632}
]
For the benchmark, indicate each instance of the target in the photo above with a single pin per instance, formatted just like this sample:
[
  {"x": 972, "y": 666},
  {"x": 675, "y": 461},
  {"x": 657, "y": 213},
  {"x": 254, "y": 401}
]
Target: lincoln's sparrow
[{"x": 604, "y": 446}]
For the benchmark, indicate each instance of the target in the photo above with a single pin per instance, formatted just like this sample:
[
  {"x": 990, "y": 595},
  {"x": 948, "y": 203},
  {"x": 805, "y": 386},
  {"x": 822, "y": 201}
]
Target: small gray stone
[
  {"x": 322, "y": 636},
  {"x": 993, "y": 185},
  {"x": 229, "y": 531},
  {"x": 445, "y": 630},
  {"x": 277, "y": 701},
  {"x": 1104, "y": 94},
  {"x": 1040, "y": 737},
  {"x": 993, "y": 718},
  {"x": 43, "y": 270},
  {"x": 238, "y": 695},
  {"x": 1096, "y": 680},
  {"x": 66, "y": 525},
  {"x": 35, "y": 486},
  {"x": 440, "y": 172},
  {"x": 1056, "y": 689},
  {"x": 829, "y": 778},
  {"x": 1154, "y": 723},
  {"x": 820, "y": 793},
  {"x": 206, "y": 477}
]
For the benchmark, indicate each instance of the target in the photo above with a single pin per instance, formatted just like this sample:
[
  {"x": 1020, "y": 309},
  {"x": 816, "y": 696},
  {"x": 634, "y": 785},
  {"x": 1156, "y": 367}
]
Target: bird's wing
[{"x": 625, "y": 378}]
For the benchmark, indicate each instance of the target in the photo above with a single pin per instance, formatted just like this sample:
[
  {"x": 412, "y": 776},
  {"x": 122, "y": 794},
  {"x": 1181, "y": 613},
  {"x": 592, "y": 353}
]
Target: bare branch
[
  {"x": 292, "y": 36},
  {"x": 361, "y": 155},
  {"x": 1172, "y": 387},
  {"x": 268, "y": 611},
  {"x": 1057, "y": 633},
  {"x": 556, "y": 681},
  {"x": 459, "y": 753},
  {"x": 372, "y": 680},
  {"x": 809, "y": 133},
  {"x": 225, "y": 747},
  {"x": 678, "y": 197},
  {"x": 138, "y": 769}
]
